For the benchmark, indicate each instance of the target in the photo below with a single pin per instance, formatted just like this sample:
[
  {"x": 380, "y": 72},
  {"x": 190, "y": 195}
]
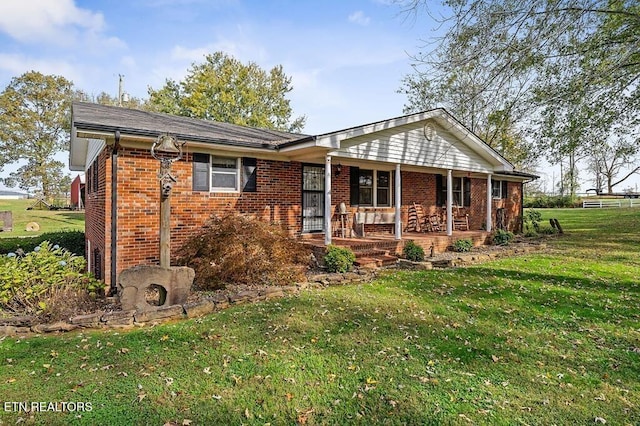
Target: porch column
[
  {"x": 327, "y": 200},
  {"x": 489, "y": 202},
  {"x": 449, "y": 203},
  {"x": 397, "y": 192}
]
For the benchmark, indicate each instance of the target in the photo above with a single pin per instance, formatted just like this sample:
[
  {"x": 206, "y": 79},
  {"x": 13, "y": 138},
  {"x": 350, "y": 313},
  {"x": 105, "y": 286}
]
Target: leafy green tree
[
  {"x": 34, "y": 126},
  {"x": 565, "y": 69},
  {"x": 224, "y": 89}
]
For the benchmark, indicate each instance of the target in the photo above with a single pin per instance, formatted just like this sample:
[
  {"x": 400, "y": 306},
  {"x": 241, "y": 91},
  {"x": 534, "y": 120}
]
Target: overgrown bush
[
  {"x": 242, "y": 250},
  {"x": 339, "y": 259},
  {"x": 413, "y": 251},
  {"x": 73, "y": 241},
  {"x": 532, "y": 220},
  {"x": 462, "y": 246},
  {"x": 502, "y": 237},
  {"x": 48, "y": 281}
]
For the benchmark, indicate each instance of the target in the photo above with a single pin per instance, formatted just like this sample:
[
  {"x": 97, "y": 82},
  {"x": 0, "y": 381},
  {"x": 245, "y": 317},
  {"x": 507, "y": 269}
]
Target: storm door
[{"x": 312, "y": 198}]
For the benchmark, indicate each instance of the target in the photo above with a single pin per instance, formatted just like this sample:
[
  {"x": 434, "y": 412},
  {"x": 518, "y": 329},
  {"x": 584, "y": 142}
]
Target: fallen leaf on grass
[
  {"x": 600, "y": 420},
  {"x": 495, "y": 358},
  {"x": 141, "y": 396},
  {"x": 186, "y": 422}
]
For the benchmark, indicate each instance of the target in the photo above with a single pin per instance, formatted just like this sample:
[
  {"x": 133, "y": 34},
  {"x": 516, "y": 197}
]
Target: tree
[
  {"x": 608, "y": 161},
  {"x": 34, "y": 126},
  {"x": 224, "y": 89},
  {"x": 566, "y": 69}
]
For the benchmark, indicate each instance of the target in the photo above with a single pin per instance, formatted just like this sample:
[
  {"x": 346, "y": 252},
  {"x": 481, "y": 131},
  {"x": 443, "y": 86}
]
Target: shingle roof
[{"x": 96, "y": 117}]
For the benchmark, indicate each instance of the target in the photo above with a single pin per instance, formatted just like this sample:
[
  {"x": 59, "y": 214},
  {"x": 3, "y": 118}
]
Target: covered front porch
[{"x": 384, "y": 249}]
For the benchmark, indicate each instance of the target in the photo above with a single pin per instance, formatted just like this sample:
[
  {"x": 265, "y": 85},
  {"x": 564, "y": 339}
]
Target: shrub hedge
[{"x": 73, "y": 241}]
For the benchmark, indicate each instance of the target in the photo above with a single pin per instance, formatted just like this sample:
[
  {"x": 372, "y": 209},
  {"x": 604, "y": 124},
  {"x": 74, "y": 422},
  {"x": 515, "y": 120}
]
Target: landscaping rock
[
  {"x": 50, "y": 328},
  {"x": 19, "y": 321},
  {"x": 164, "y": 312},
  {"x": 90, "y": 320},
  {"x": 8, "y": 330},
  {"x": 118, "y": 317},
  {"x": 243, "y": 296},
  {"x": 199, "y": 309},
  {"x": 274, "y": 292},
  {"x": 133, "y": 283}
]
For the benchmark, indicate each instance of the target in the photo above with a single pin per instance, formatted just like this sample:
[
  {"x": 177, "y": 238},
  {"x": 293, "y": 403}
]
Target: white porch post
[
  {"x": 327, "y": 200},
  {"x": 449, "y": 203},
  {"x": 489, "y": 202},
  {"x": 398, "y": 194}
]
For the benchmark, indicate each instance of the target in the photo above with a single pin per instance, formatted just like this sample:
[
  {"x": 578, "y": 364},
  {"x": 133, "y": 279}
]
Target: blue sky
[{"x": 345, "y": 58}]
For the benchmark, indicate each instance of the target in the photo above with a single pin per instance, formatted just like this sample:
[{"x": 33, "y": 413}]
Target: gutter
[{"x": 113, "y": 290}]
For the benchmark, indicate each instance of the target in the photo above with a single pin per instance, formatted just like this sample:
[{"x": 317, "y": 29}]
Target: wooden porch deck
[{"x": 385, "y": 249}]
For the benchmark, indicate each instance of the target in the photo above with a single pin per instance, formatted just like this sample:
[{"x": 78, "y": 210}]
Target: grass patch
[
  {"x": 49, "y": 220},
  {"x": 547, "y": 338}
]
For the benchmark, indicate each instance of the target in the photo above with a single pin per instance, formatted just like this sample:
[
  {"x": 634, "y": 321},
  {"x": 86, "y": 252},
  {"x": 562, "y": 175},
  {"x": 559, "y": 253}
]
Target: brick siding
[{"x": 277, "y": 200}]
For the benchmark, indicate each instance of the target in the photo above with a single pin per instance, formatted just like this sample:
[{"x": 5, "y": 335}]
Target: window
[
  {"x": 224, "y": 174},
  {"x": 370, "y": 187},
  {"x": 499, "y": 188},
  {"x": 461, "y": 191},
  {"x": 383, "y": 190}
]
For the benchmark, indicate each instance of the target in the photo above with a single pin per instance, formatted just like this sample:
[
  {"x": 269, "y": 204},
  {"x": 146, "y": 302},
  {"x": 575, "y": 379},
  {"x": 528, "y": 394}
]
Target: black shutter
[
  {"x": 249, "y": 174},
  {"x": 466, "y": 187},
  {"x": 504, "y": 189},
  {"x": 201, "y": 172},
  {"x": 440, "y": 197},
  {"x": 354, "y": 183}
]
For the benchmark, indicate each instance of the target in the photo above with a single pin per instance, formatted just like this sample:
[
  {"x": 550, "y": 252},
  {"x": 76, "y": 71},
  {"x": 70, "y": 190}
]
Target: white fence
[{"x": 600, "y": 204}]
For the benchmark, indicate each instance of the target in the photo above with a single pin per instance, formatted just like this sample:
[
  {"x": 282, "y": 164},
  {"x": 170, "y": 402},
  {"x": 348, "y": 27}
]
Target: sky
[{"x": 346, "y": 58}]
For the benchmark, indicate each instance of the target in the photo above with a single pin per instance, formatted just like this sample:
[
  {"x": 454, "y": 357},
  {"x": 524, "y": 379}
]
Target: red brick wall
[
  {"x": 96, "y": 212},
  {"x": 278, "y": 198}
]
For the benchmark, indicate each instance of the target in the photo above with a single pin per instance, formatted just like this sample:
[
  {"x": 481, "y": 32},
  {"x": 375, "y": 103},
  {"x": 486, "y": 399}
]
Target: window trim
[
  {"x": 502, "y": 188},
  {"x": 465, "y": 191},
  {"x": 374, "y": 187},
  {"x": 236, "y": 172}
]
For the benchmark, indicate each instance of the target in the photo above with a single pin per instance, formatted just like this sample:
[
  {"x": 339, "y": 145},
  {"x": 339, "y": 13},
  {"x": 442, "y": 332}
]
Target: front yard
[{"x": 546, "y": 338}]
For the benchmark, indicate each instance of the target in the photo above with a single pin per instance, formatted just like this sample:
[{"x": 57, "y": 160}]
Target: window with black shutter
[
  {"x": 461, "y": 191},
  {"x": 249, "y": 174},
  {"x": 201, "y": 172}
]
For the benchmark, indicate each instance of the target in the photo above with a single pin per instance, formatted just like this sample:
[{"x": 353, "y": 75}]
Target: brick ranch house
[{"x": 378, "y": 170}]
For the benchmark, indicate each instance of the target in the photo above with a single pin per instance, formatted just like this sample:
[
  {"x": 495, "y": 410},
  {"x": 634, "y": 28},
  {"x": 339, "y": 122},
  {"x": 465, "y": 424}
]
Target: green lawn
[
  {"x": 546, "y": 338},
  {"x": 49, "y": 220}
]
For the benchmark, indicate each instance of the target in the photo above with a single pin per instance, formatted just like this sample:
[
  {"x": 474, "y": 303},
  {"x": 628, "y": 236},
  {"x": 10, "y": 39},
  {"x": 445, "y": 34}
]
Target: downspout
[{"x": 113, "y": 290}]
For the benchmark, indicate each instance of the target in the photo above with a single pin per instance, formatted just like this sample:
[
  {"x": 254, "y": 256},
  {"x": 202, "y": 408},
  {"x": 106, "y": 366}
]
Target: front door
[{"x": 312, "y": 198}]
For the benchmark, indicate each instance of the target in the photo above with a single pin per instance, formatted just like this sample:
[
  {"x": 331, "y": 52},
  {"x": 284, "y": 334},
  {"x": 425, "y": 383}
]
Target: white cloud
[
  {"x": 359, "y": 18},
  {"x": 58, "y": 22},
  {"x": 15, "y": 64}
]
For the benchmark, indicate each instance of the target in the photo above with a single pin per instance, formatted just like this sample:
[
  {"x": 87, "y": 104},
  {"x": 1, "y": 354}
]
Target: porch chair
[
  {"x": 417, "y": 219},
  {"x": 434, "y": 223},
  {"x": 460, "y": 220}
]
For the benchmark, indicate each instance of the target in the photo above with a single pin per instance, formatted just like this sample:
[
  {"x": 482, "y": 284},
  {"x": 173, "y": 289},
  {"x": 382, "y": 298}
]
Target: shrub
[
  {"x": 45, "y": 282},
  {"x": 462, "y": 246},
  {"x": 73, "y": 241},
  {"x": 532, "y": 220},
  {"x": 502, "y": 237},
  {"x": 243, "y": 250},
  {"x": 413, "y": 251},
  {"x": 339, "y": 259},
  {"x": 547, "y": 230}
]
